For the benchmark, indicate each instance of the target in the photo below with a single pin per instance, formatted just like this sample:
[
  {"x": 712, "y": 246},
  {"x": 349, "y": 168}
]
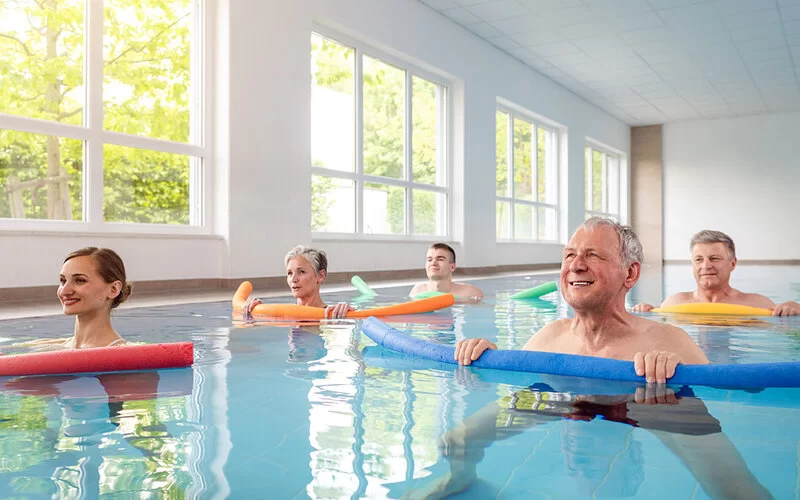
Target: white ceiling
[{"x": 651, "y": 61}]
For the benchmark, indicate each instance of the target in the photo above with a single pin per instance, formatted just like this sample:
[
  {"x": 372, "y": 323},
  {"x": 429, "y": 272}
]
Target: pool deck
[{"x": 15, "y": 310}]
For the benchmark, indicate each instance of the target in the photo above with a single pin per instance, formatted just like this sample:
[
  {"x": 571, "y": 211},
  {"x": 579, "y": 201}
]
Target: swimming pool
[{"x": 282, "y": 411}]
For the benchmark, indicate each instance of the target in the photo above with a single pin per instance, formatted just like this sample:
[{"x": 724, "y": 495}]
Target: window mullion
[
  {"x": 358, "y": 81},
  {"x": 535, "y": 177},
  {"x": 93, "y": 148},
  {"x": 407, "y": 150},
  {"x": 510, "y": 173}
]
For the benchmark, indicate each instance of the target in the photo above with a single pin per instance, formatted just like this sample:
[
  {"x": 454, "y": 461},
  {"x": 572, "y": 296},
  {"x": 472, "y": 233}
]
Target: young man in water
[
  {"x": 713, "y": 260},
  {"x": 440, "y": 264}
]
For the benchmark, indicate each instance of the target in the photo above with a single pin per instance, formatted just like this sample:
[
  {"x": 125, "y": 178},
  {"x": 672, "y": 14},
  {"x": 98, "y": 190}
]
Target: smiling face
[
  {"x": 712, "y": 265},
  {"x": 301, "y": 278},
  {"x": 82, "y": 289},
  {"x": 592, "y": 275},
  {"x": 438, "y": 264}
]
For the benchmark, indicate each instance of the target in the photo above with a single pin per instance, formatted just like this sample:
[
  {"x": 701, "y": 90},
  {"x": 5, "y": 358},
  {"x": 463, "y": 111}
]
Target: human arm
[
  {"x": 339, "y": 311},
  {"x": 418, "y": 288},
  {"x": 789, "y": 308},
  {"x": 248, "y": 306},
  {"x": 643, "y": 307},
  {"x": 468, "y": 350},
  {"x": 674, "y": 347}
]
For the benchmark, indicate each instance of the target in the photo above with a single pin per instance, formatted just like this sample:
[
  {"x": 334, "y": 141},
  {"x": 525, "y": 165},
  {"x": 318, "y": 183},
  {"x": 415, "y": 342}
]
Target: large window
[
  {"x": 101, "y": 110},
  {"x": 603, "y": 183},
  {"x": 527, "y": 178},
  {"x": 378, "y": 144}
]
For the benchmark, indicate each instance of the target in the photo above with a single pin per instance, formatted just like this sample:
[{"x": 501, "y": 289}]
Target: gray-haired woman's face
[{"x": 301, "y": 278}]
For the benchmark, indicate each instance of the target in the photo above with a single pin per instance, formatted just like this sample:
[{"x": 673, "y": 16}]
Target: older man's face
[{"x": 591, "y": 269}]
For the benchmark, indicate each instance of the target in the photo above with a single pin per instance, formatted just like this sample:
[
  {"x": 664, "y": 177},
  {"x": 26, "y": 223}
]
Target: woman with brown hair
[{"x": 92, "y": 284}]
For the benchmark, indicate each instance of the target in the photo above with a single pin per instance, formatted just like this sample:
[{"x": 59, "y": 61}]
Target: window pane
[
  {"x": 333, "y": 205},
  {"x": 145, "y": 186},
  {"x": 613, "y": 184},
  {"x": 41, "y": 59},
  {"x": 332, "y": 105},
  {"x": 548, "y": 224},
  {"x": 587, "y": 176},
  {"x": 501, "y": 126},
  {"x": 427, "y": 109},
  {"x": 384, "y": 108},
  {"x": 546, "y": 166},
  {"x": 384, "y": 209},
  {"x": 429, "y": 212},
  {"x": 598, "y": 181},
  {"x": 40, "y": 176},
  {"x": 523, "y": 222},
  {"x": 147, "y": 68},
  {"x": 523, "y": 169},
  {"x": 503, "y": 218}
]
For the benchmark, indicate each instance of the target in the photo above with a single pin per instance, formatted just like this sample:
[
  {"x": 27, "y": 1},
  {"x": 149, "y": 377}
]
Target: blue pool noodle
[{"x": 785, "y": 374}]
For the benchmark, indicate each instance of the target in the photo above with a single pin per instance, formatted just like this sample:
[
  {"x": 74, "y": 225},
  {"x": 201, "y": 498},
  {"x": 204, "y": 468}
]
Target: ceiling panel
[{"x": 651, "y": 61}]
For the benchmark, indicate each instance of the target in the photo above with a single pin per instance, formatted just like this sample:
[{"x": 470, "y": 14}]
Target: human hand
[
  {"x": 656, "y": 366},
  {"x": 655, "y": 394},
  {"x": 643, "y": 308},
  {"x": 787, "y": 309},
  {"x": 469, "y": 350},
  {"x": 248, "y": 306},
  {"x": 339, "y": 311}
]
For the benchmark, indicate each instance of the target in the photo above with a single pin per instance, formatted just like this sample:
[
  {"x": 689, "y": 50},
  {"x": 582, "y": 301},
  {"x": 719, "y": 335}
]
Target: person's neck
[
  {"x": 721, "y": 294},
  {"x": 311, "y": 301},
  {"x": 598, "y": 329},
  {"x": 94, "y": 330},
  {"x": 443, "y": 285}
]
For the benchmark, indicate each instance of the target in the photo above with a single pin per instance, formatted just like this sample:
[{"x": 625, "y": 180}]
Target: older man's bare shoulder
[
  {"x": 545, "y": 338},
  {"x": 666, "y": 337}
]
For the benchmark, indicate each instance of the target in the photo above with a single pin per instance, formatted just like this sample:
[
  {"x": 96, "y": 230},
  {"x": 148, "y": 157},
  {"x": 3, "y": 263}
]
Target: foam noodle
[
  {"x": 100, "y": 359},
  {"x": 713, "y": 308},
  {"x": 293, "y": 311},
  {"x": 537, "y": 291},
  {"x": 730, "y": 376},
  {"x": 361, "y": 286}
]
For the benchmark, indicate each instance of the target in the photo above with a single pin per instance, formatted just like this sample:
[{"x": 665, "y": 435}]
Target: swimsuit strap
[{"x": 116, "y": 342}]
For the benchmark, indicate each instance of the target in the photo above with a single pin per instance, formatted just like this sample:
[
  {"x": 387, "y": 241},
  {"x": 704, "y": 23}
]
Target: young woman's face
[
  {"x": 301, "y": 277},
  {"x": 82, "y": 289}
]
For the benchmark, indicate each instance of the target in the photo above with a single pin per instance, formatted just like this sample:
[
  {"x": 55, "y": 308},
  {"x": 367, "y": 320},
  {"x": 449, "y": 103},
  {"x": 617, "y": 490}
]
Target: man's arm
[
  {"x": 418, "y": 288},
  {"x": 787, "y": 309},
  {"x": 466, "y": 291}
]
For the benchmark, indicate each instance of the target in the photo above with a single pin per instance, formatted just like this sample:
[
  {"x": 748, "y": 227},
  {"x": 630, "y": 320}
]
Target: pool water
[{"x": 304, "y": 411}]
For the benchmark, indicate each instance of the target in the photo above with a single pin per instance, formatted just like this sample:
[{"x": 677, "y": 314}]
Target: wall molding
[{"x": 266, "y": 283}]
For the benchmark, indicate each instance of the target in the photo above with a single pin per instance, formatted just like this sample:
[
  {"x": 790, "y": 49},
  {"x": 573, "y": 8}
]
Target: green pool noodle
[
  {"x": 361, "y": 286},
  {"x": 537, "y": 291},
  {"x": 425, "y": 295}
]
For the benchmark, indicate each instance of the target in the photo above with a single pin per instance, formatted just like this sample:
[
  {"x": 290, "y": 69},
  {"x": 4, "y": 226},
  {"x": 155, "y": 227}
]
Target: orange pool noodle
[{"x": 293, "y": 311}]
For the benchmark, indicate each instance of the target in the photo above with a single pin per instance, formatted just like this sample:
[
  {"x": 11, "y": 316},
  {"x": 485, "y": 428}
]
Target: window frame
[
  {"x": 358, "y": 177},
  {"x": 94, "y": 137},
  {"x": 607, "y": 152},
  {"x": 537, "y": 122}
]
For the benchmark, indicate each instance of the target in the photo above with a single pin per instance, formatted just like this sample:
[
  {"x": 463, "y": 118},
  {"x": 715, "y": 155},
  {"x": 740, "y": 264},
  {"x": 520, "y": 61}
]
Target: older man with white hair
[{"x": 601, "y": 263}]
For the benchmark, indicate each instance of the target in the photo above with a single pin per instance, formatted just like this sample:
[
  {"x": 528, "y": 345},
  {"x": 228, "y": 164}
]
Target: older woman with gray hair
[{"x": 306, "y": 269}]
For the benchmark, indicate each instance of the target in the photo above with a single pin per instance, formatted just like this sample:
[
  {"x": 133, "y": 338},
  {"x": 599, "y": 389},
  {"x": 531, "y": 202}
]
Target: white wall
[
  {"x": 737, "y": 175},
  {"x": 261, "y": 125}
]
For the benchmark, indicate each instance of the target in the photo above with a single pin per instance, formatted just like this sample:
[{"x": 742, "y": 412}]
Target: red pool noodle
[{"x": 100, "y": 359}]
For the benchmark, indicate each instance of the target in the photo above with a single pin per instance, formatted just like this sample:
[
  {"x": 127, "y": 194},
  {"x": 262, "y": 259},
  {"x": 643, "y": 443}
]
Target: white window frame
[
  {"x": 94, "y": 137},
  {"x": 621, "y": 213},
  {"x": 515, "y": 112},
  {"x": 358, "y": 176}
]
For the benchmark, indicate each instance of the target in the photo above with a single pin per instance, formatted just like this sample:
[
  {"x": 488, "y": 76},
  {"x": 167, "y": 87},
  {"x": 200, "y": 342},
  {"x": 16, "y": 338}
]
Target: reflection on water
[{"x": 318, "y": 411}]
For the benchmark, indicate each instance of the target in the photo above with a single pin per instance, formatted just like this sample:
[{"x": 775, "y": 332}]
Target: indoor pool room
[{"x": 407, "y": 249}]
